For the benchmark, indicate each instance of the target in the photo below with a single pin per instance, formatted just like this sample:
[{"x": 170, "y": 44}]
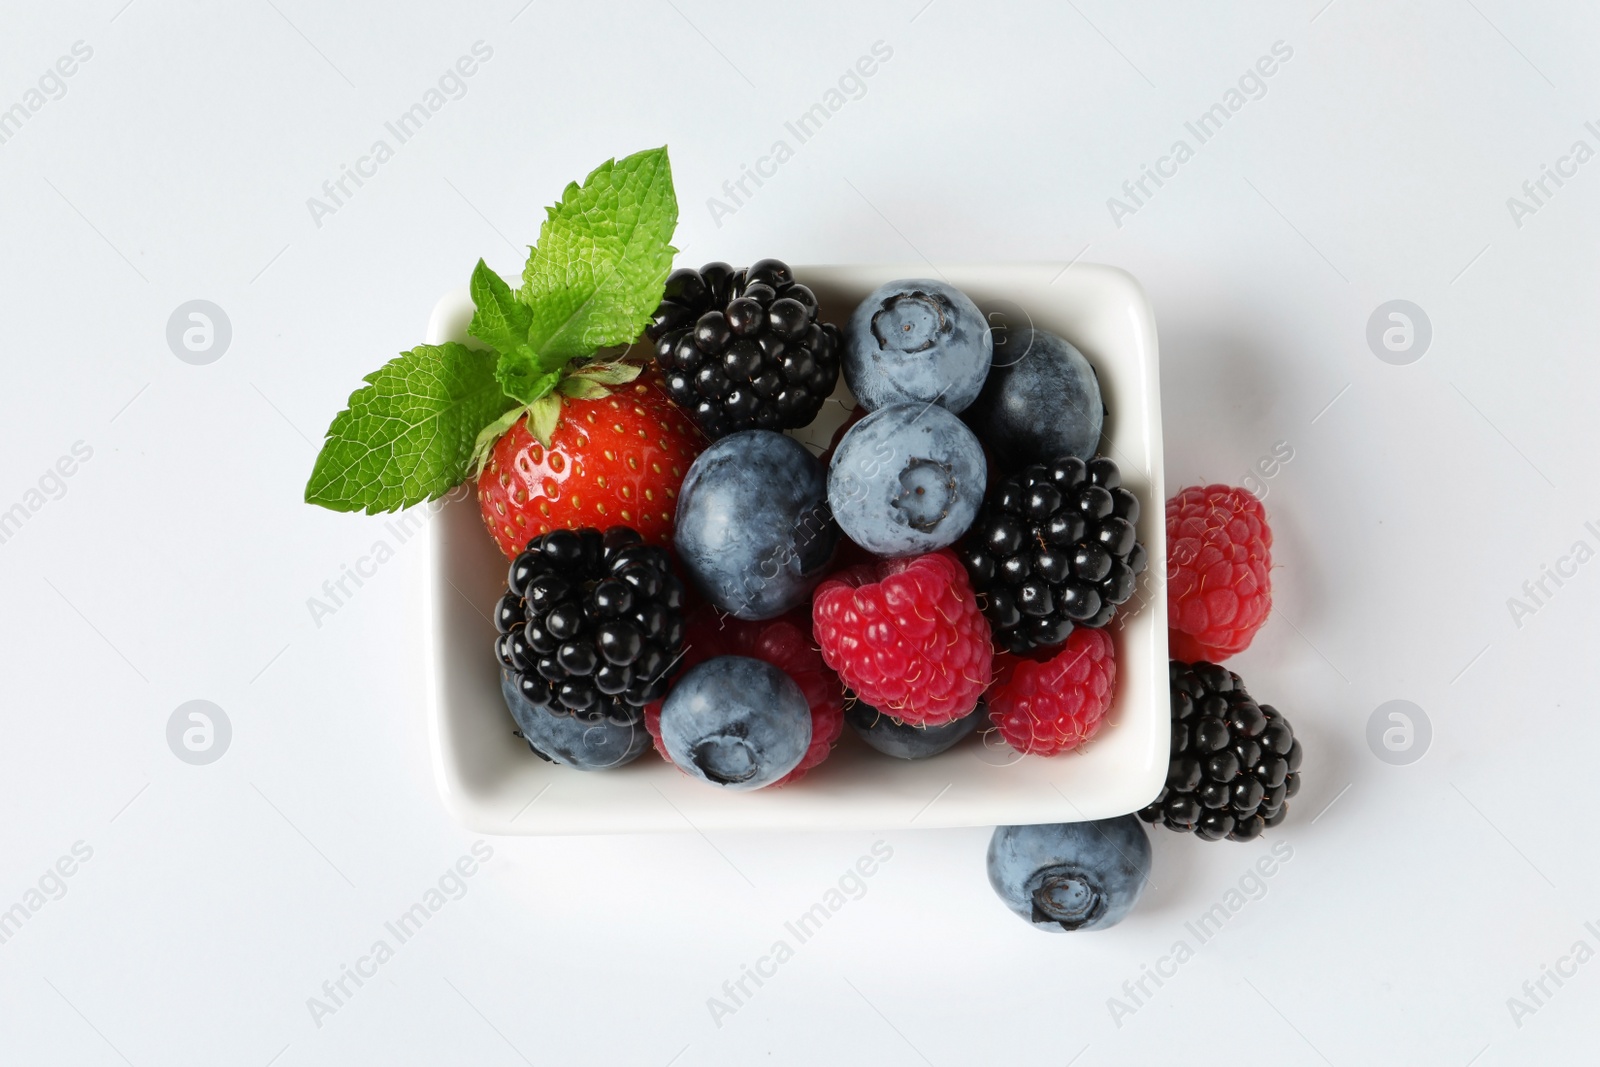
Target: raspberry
[
  {"x": 785, "y": 643},
  {"x": 1047, "y": 708},
  {"x": 907, "y": 636},
  {"x": 1220, "y": 588}
]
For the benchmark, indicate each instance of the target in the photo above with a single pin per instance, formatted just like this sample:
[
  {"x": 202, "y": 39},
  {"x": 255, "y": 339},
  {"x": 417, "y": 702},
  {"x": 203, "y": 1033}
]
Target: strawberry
[{"x": 615, "y": 460}]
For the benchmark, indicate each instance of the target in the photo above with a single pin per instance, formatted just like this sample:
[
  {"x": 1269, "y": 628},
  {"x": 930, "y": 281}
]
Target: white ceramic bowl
[{"x": 493, "y": 784}]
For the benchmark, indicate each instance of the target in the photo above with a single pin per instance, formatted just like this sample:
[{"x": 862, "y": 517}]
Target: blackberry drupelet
[
  {"x": 591, "y": 624},
  {"x": 1055, "y": 546},
  {"x": 1234, "y": 762},
  {"x": 743, "y": 350}
]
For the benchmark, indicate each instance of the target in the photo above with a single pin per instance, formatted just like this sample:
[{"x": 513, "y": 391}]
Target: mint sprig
[
  {"x": 499, "y": 319},
  {"x": 408, "y": 434},
  {"x": 426, "y": 421},
  {"x": 602, "y": 259}
]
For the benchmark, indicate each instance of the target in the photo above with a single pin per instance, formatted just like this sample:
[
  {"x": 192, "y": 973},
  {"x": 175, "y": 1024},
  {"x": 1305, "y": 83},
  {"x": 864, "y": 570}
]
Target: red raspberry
[
  {"x": 1045, "y": 708},
  {"x": 907, "y": 636},
  {"x": 784, "y": 642},
  {"x": 1219, "y": 592}
]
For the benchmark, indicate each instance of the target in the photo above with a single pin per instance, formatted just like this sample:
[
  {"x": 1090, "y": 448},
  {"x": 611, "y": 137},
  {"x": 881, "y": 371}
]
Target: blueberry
[
  {"x": 753, "y": 526},
  {"x": 917, "y": 340},
  {"x": 1070, "y": 876},
  {"x": 1041, "y": 401},
  {"x": 569, "y": 741},
  {"x": 907, "y": 479},
  {"x": 902, "y": 741},
  {"x": 736, "y": 722}
]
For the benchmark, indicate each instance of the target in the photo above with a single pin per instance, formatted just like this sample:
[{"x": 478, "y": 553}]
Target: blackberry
[
  {"x": 1056, "y": 545},
  {"x": 591, "y": 624},
  {"x": 1234, "y": 762},
  {"x": 743, "y": 350}
]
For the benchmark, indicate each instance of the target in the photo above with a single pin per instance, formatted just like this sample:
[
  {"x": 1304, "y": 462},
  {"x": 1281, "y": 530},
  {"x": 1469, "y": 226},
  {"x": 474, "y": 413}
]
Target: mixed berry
[
  {"x": 684, "y": 570},
  {"x": 951, "y": 565}
]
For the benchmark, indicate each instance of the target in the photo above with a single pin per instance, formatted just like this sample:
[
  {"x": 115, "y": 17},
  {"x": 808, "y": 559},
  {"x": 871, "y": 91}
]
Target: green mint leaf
[
  {"x": 408, "y": 435},
  {"x": 523, "y": 376},
  {"x": 602, "y": 258},
  {"x": 501, "y": 320}
]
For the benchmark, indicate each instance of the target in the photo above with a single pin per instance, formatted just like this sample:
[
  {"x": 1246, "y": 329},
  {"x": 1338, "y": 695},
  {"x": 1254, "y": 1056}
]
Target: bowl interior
[{"x": 492, "y": 783}]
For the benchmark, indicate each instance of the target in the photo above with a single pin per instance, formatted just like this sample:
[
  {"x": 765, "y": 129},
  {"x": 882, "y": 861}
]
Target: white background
[{"x": 178, "y": 563}]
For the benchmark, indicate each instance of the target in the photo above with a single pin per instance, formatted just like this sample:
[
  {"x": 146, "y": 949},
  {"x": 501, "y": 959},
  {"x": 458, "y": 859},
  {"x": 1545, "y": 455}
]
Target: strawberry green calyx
[
  {"x": 584, "y": 381},
  {"x": 426, "y": 421}
]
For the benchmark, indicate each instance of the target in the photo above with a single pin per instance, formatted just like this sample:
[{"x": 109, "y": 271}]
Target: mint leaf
[
  {"x": 426, "y": 420},
  {"x": 522, "y": 376},
  {"x": 408, "y": 435},
  {"x": 501, "y": 320},
  {"x": 602, "y": 258}
]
